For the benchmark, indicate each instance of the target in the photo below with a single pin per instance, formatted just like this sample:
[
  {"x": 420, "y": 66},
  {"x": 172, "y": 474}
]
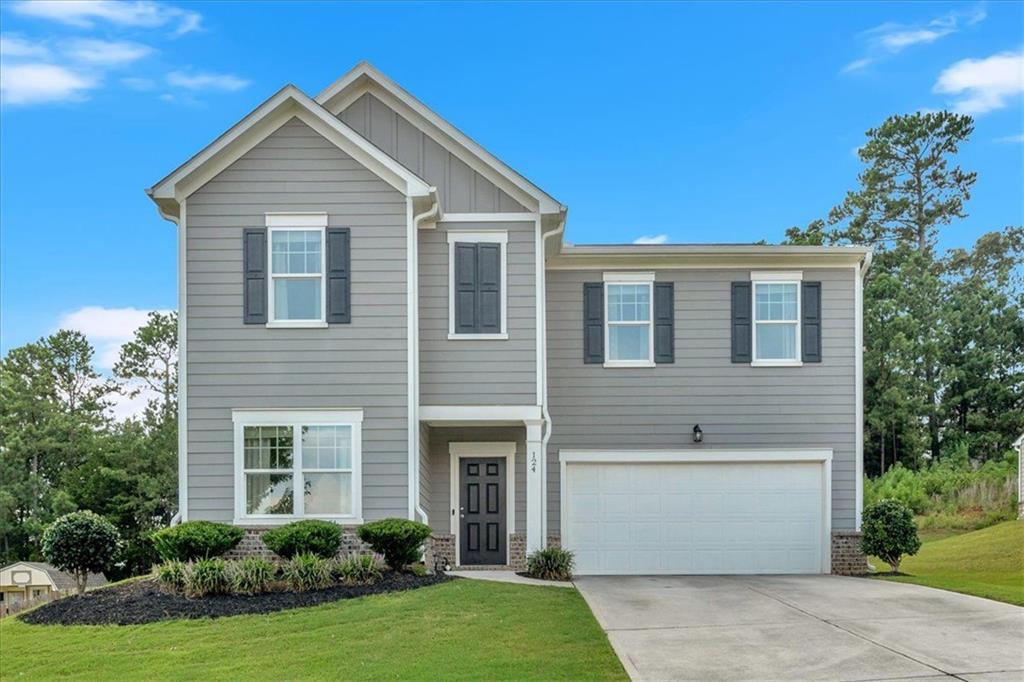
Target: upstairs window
[
  {"x": 629, "y": 335},
  {"x": 296, "y": 273},
  {"x": 776, "y": 318}
]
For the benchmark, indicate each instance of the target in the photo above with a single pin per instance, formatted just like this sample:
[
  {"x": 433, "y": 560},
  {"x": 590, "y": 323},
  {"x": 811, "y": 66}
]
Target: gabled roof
[
  {"x": 367, "y": 78},
  {"x": 287, "y": 103}
]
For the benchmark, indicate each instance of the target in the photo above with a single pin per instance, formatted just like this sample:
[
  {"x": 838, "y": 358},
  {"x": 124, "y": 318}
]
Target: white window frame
[
  {"x": 296, "y": 222},
  {"x": 488, "y": 237},
  {"x": 296, "y": 419},
  {"x": 613, "y": 278},
  {"x": 775, "y": 277}
]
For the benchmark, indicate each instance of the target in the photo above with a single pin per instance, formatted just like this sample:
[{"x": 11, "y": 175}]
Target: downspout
[
  {"x": 546, "y": 416},
  {"x": 414, "y": 394}
]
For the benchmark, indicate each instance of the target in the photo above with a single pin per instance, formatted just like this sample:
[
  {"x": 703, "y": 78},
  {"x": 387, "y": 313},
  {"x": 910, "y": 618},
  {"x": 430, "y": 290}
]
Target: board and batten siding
[
  {"x": 478, "y": 372},
  {"x": 357, "y": 365},
  {"x": 460, "y": 188},
  {"x": 736, "y": 405}
]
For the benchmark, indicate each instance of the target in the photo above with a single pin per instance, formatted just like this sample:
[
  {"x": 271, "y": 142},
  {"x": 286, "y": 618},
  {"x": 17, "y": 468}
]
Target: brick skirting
[
  {"x": 847, "y": 557},
  {"x": 252, "y": 544}
]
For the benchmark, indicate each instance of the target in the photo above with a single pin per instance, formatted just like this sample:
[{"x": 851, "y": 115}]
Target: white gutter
[
  {"x": 415, "y": 504},
  {"x": 543, "y": 361}
]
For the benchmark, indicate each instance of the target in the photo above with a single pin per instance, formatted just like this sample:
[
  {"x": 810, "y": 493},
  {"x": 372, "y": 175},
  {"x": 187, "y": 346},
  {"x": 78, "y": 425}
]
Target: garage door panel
[{"x": 695, "y": 518}]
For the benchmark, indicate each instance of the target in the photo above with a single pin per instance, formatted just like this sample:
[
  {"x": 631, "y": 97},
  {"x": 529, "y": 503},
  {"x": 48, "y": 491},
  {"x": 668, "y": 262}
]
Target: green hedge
[
  {"x": 195, "y": 540},
  {"x": 397, "y": 540},
  {"x": 311, "y": 536}
]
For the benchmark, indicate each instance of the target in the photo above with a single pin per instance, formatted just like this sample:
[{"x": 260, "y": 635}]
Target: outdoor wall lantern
[{"x": 698, "y": 435}]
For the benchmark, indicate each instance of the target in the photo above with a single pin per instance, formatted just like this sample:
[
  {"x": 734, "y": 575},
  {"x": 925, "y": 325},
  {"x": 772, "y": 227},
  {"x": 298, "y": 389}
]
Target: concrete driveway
[{"x": 804, "y": 628}]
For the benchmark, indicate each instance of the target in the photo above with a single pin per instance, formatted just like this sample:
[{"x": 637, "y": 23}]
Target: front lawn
[
  {"x": 986, "y": 563},
  {"x": 464, "y": 629}
]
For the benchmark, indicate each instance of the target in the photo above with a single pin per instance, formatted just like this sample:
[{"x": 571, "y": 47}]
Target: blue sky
[{"x": 695, "y": 122}]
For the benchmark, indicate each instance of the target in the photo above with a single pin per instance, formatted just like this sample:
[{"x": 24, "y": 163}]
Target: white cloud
[
  {"x": 1011, "y": 139},
  {"x": 651, "y": 239},
  {"x": 36, "y": 83},
  {"x": 982, "y": 85},
  {"x": 140, "y": 84},
  {"x": 86, "y": 13},
  {"x": 106, "y": 53},
  {"x": 16, "y": 46},
  {"x": 892, "y": 38},
  {"x": 206, "y": 81}
]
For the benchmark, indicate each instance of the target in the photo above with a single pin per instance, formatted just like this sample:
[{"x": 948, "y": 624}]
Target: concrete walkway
[
  {"x": 508, "y": 577},
  {"x": 804, "y": 628}
]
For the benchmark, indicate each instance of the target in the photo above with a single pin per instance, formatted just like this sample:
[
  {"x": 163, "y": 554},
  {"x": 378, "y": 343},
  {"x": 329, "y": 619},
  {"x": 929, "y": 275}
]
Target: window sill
[
  {"x": 477, "y": 337},
  {"x": 297, "y": 324},
  {"x": 619, "y": 364},
  {"x": 259, "y": 521},
  {"x": 776, "y": 363}
]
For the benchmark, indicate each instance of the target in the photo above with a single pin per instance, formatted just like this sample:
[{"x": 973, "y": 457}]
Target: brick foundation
[
  {"x": 439, "y": 551},
  {"x": 847, "y": 558},
  {"x": 252, "y": 544}
]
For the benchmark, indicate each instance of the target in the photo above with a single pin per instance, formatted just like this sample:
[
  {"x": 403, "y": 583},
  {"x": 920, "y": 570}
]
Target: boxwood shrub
[
  {"x": 311, "y": 536},
  {"x": 397, "y": 540},
  {"x": 889, "y": 532},
  {"x": 194, "y": 540}
]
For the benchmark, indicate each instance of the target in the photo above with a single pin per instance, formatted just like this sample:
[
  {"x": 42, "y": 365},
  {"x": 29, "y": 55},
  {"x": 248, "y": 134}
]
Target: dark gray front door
[{"x": 482, "y": 532}]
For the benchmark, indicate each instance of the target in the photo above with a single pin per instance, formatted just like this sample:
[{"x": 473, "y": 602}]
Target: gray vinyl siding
[
  {"x": 461, "y": 189},
  {"x": 470, "y": 372},
  {"x": 424, "y": 464},
  {"x": 736, "y": 405},
  {"x": 438, "y": 506},
  {"x": 357, "y": 365}
]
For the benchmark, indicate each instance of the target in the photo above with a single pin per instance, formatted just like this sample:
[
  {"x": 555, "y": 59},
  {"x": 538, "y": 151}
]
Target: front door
[{"x": 482, "y": 533}]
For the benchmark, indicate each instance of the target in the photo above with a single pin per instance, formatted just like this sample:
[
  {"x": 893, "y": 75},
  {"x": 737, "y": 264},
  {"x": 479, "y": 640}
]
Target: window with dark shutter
[
  {"x": 810, "y": 314},
  {"x": 339, "y": 275},
  {"x": 477, "y": 288},
  {"x": 254, "y": 273}
]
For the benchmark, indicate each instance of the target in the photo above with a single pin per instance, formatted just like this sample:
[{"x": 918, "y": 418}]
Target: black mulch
[{"x": 144, "y": 601}]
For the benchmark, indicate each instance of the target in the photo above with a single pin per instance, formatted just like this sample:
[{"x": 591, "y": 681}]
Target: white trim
[
  {"x": 359, "y": 80},
  {"x": 272, "y": 322},
  {"x": 765, "y": 277},
  {"x": 620, "y": 278},
  {"x": 486, "y": 237},
  {"x": 182, "y": 363},
  {"x": 459, "y": 450},
  {"x": 858, "y": 388},
  {"x": 296, "y": 419},
  {"x": 479, "y": 413},
  {"x": 490, "y": 217},
  {"x": 297, "y": 220},
  {"x": 629, "y": 277},
  {"x": 702, "y": 456},
  {"x": 281, "y": 107},
  {"x": 776, "y": 276},
  {"x": 542, "y": 361},
  {"x": 411, "y": 359}
]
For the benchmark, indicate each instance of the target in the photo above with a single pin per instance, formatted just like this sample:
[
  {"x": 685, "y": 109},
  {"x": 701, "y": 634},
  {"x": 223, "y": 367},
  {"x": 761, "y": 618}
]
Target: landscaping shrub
[
  {"x": 889, "y": 532},
  {"x": 194, "y": 540},
  {"x": 311, "y": 536},
  {"x": 358, "y": 569},
  {"x": 551, "y": 563},
  {"x": 397, "y": 540},
  {"x": 81, "y": 543},
  {"x": 251, "y": 575},
  {"x": 172, "y": 574},
  {"x": 207, "y": 576},
  {"x": 307, "y": 572}
]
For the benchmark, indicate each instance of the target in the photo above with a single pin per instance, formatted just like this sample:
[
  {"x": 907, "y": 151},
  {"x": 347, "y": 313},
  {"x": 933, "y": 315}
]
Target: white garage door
[{"x": 702, "y": 518}]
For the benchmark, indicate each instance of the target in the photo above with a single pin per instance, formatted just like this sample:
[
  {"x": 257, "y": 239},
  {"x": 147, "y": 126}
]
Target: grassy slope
[
  {"x": 986, "y": 563},
  {"x": 465, "y": 629}
]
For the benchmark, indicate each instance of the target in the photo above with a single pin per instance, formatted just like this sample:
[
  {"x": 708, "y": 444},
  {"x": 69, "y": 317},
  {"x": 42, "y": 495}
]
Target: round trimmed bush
[
  {"x": 311, "y": 536},
  {"x": 195, "y": 540},
  {"x": 550, "y": 563},
  {"x": 81, "y": 543},
  {"x": 889, "y": 532},
  {"x": 397, "y": 540}
]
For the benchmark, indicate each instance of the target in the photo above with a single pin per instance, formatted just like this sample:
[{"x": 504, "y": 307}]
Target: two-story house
[{"x": 380, "y": 318}]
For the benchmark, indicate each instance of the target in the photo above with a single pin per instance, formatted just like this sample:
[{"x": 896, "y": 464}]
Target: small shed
[{"x": 31, "y": 579}]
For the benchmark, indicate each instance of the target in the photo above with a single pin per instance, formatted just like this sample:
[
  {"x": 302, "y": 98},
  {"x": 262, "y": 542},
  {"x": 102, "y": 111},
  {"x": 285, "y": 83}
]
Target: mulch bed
[{"x": 145, "y": 601}]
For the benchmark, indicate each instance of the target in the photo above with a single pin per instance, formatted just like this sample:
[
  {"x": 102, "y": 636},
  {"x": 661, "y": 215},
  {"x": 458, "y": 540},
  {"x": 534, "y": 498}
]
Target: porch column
[{"x": 534, "y": 487}]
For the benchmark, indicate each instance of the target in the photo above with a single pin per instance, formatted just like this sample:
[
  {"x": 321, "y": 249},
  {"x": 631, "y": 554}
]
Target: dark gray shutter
[
  {"x": 593, "y": 322},
  {"x": 488, "y": 288},
  {"x": 339, "y": 275},
  {"x": 664, "y": 322},
  {"x": 465, "y": 288},
  {"x": 810, "y": 327},
  {"x": 742, "y": 329},
  {"x": 254, "y": 273}
]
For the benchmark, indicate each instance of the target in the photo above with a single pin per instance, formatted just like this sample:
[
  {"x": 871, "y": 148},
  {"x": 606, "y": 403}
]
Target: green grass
[
  {"x": 465, "y": 629},
  {"x": 986, "y": 563}
]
